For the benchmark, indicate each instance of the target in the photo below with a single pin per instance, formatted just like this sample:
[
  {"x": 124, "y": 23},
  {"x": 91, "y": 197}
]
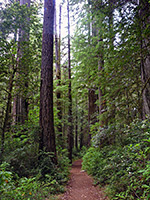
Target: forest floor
[{"x": 81, "y": 186}]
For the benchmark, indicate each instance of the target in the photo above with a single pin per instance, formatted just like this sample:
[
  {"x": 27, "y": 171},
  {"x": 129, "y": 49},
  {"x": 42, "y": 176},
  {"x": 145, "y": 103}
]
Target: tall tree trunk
[
  {"x": 59, "y": 41},
  {"x": 58, "y": 78},
  {"x": 111, "y": 47},
  {"x": 100, "y": 93},
  {"x": 111, "y": 34},
  {"x": 100, "y": 69},
  {"x": 20, "y": 105},
  {"x": 76, "y": 126},
  {"x": 70, "y": 131},
  {"x": 145, "y": 57},
  {"x": 102, "y": 102},
  {"x": 81, "y": 130},
  {"x": 47, "y": 136},
  {"x": 92, "y": 97},
  {"x": 8, "y": 107},
  {"x": 64, "y": 106},
  {"x": 92, "y": 110}
]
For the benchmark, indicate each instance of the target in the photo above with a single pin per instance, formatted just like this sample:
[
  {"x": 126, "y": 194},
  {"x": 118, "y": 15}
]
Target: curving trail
[{"x": 81, "y": 186}]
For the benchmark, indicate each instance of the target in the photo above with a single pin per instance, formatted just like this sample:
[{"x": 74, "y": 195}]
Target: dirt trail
[{"x": 81, "y": 186}]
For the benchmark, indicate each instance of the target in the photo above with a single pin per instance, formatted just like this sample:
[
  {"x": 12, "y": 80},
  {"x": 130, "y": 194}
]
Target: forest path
[{"x": 81, "y": 186}]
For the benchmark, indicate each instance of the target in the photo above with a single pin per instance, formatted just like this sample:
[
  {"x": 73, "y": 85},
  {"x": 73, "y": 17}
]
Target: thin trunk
[
  {"x": 8, "y": 108},
  {"x": 20, "y": 107},
  {"x": 64, "y": 107},
  {"x": 89, "y": 41},
  {"x": 128, "y": 108},
  {"x": 111, "y": 34},
  {"x": 58, "y": 78},
  {"x": 81, "y": 131},
  {"x": 47, "y": 136},
  {"x": 59, "y": 32},
  {"x": 102, "y": 102},
  {"x": 100, "y": 93},
  {"x": 145, "y": 57},
  {"x": 92, "y": 110},
  {"x": 111, "y": 47},
  {"x": 70, "y": 131},
  {"x": 76, "y": 127},
  {"x": 139, "y": 111},
  {"x": 92, "y": 97}
]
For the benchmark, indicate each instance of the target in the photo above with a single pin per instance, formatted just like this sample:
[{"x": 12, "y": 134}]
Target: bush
[
  {"x": 21, "y": 149},
  {"x": 27, "y": 174},
  {"x": 50, "y": 180},
  {"x": 123, "y": 166}
]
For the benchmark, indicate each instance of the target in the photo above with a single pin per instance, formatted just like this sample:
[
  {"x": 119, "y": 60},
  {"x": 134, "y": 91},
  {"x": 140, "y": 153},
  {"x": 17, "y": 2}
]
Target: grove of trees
[{"x": 65, "y": 94}]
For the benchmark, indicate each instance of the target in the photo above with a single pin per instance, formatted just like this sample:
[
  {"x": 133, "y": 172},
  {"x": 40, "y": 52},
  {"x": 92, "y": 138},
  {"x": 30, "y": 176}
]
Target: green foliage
[
  {"x": 21, "y": 149},
  {"x": 26, "y": 173},
  {"x": 48, "y": 180},
  {"x": 22, "y": 154},
  {"x": 79, "y": 153},
  {"x": 58, "y": 175},
  {"x": 5, "y": 176},
  {"x": 24, "y": 188},
  {"x": 109, "y": 34},
  {"x": 123, "y": 167},
  {"x": 12, "y": 20}
]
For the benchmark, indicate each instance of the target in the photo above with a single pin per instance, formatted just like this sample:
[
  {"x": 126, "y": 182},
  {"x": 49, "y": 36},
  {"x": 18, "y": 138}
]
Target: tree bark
[
  {"x": 81, "y": 130},
  {"x": 145, "y": 57},
  {"x": 58, "y": 78},
  {"x": 20, "y": 105},
  {"x": 92, "y": 97},
  {"x": 100, "y": 93},
  {"x": 47, "y": 136},
  {"x": 70, "y": 131},
  {"x": 8, "y": 107},
  {"x": 92, "y": 110},
  {"x": 76, "y": 126}
]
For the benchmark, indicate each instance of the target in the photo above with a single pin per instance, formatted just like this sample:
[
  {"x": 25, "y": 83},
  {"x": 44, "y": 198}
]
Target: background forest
[{"x": 85, "y": 94}]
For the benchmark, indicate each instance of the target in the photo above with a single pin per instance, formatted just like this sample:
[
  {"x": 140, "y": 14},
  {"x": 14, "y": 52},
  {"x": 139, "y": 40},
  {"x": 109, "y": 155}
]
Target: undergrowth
[
  {"x": 120, "y": 160},
  {"x": 23, "y": 175},
  {"x": 35, "y": 187}
]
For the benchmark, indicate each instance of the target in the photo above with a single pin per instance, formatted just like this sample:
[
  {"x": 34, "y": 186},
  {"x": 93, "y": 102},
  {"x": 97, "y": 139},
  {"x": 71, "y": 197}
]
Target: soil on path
[{"x": 81, "y": 186}]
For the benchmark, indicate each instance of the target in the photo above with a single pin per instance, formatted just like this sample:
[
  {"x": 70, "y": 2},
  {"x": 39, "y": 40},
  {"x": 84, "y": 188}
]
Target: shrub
[
  {"x": 124, "y": 165},
  {"x": 37, "y": 187}
]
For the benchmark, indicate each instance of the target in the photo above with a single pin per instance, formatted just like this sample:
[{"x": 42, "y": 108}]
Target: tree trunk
[
  {"x": 8, "y": 107},
  {"x": 20, "y": 105},
  {"x": 145, "y": 57},
  {"x": 76, "y": 126},
  {"x": 47, "y": 136},
  {"x": 70, "y": 131},
  {"x": 92, "y": 110},
  {"x": 92, "y": 97},
  {"x": 64, "y": 106},
  {"x": 58, "y": 78},
  {"x": 100, "y": 93},
  {"x": 111, "y": 34},
  {"x": 81, "y": 131}
]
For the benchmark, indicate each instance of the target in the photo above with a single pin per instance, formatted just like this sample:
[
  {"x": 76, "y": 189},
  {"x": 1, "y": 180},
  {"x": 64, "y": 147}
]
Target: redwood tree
[
  {"x": 70, "y": 129},
  {"x": 47, "y": 136},
  {"x": 145, "y": 56},
  {"x": 58, "y": 77},
  {"x": 20, "y": 104}
]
